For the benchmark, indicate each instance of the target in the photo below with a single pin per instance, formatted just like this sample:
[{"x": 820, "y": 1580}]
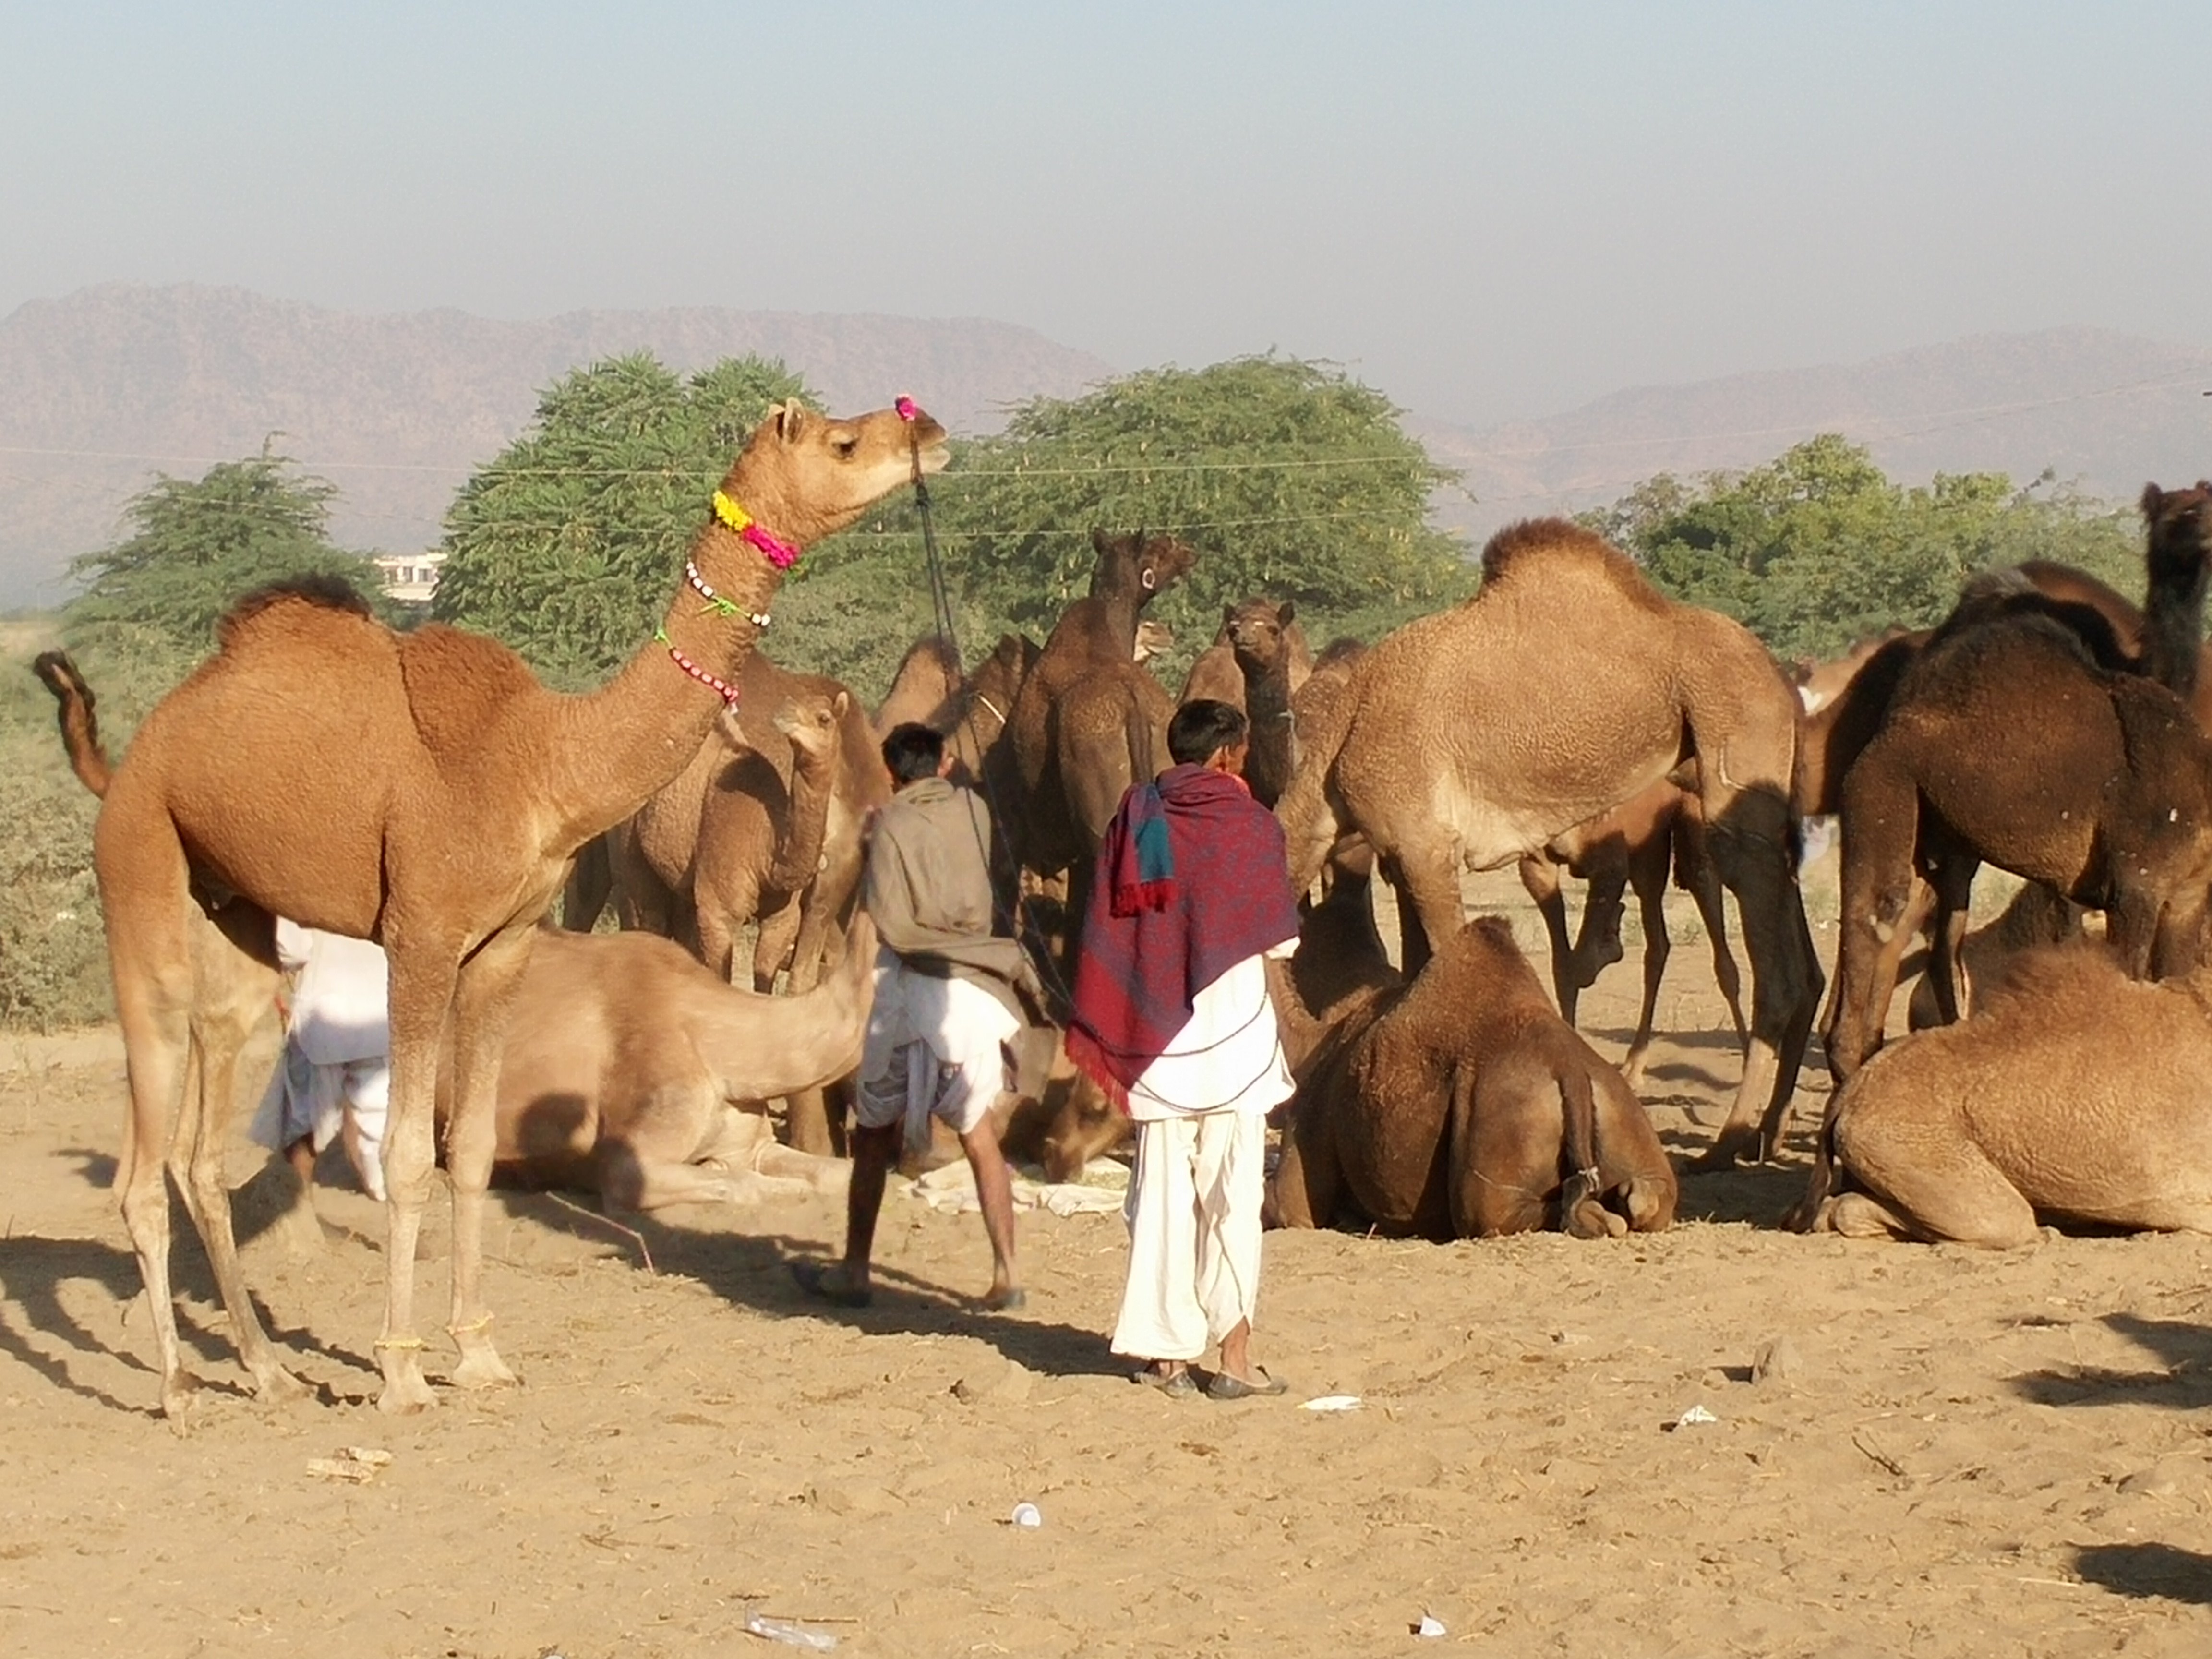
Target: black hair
[
  {"x": 1202, "y": 726},
  {"x": 913, "y": 752}
]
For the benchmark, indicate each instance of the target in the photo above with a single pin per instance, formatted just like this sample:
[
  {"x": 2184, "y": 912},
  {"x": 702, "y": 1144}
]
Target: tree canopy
[
  {"x": 567, "y": 543},
  {"x": 196, "y": 544},
  {"x": 1290, "y": 478},
  {"x": 1818, "y": 548}
]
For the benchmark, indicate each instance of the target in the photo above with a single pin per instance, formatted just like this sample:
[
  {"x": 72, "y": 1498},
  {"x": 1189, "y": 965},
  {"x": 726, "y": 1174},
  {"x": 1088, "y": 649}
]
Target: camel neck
[
  {"x": 806, "y": 826},
  {"x": 620, "y": 743}
]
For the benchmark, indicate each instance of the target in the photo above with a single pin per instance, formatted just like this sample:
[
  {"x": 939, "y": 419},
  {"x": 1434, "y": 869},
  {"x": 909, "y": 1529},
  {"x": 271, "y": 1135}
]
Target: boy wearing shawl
[
  {"x": 945, "y": 1010},
  {"x": 1172, "y": 1020}
]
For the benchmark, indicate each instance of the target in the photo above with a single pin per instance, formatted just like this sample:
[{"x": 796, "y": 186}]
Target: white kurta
[
  {"x": 335, "y": 1067},
  {"x": 1195, "y": 1193},
  {"x": 935, "y": 1045}
]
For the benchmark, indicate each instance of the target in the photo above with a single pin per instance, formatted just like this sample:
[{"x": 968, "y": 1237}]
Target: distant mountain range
[
  {"x": 102, "y": 389},
  {"x": 2107, "y": 412}
]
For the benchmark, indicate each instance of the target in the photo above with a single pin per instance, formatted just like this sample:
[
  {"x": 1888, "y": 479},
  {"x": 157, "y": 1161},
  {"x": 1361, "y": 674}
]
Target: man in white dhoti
[
  {"x": 1172, "y": 1018},
  {"x": 946, "y": 1012},
  {"x": 333, "y": 1078}
]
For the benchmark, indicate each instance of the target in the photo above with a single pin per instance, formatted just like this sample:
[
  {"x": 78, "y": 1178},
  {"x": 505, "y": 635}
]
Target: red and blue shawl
[{"x": 1191, "y": 878}]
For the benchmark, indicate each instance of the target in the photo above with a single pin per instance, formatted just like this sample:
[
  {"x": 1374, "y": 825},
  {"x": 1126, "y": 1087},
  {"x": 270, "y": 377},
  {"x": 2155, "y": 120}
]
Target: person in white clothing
[
  {"x": 1172, "y": 1018},
  {"x": 333, "y": 1080}
]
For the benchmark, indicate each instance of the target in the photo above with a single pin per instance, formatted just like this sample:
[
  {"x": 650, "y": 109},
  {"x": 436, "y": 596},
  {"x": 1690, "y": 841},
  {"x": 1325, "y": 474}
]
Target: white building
[{"x": 411, "y": 578}]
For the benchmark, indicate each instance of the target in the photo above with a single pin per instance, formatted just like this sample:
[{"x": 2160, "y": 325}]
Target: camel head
[
  {"x": 812, "y": 720},
  {"x": 1153, "y": 640},
  {"x": 1255, "y": 630},
  {"x": 2180, "y": 524},
  {"x": 1138, "y": 566},
  {"x": 804, "y": 475}
]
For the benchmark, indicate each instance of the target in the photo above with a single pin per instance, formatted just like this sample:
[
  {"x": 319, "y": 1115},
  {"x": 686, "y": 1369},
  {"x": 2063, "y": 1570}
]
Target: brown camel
[
  {"x": 422, "y": 790},
  {"x": 2036, "y": 916},
  {"x": 1567, "y": 687},
  {"x": 1215, "y": 674},
  {"x": 631, "y": 1071},
  {"x": 1090, "y": 721},
  {"x": 2075, "y": 1094},
  {"x": 1273, "y": 660},
  {"x": 761, "y": 832},
  {"x": 1636, "y": 845},
  {"x": 2019, "y": 737},
  {"x": 1461, "y": 1106}
]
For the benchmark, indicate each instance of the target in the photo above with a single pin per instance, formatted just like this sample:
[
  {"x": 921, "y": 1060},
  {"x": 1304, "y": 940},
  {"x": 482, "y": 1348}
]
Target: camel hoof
[
  {"x": 180, "y": 1398},
  {"x": 1735, "y": 1146},
  {"x": 482, "y": 1367},
  {"x": 276, "y": 1386},
  {"x": 404, "y": 1391}
]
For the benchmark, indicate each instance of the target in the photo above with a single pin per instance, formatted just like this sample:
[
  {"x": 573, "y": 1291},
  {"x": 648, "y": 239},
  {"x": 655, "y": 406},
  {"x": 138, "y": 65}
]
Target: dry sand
[{"x": 1953, "y": 1453}]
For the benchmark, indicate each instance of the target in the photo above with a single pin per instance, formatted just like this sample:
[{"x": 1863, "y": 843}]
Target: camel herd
[{"x": 1570, "y": 720}]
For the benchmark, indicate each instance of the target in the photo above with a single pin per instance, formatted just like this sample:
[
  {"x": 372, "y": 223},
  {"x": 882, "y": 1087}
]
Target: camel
[
  {"x": 1089, "y": 721},
  {"x": 2035, "y": 916},
  {"x": 760, "y": 834},
  {"x": 1214, "y": 673},
  {"x": 1256, "y": 663},
  {"x": 1567, "y": 687},
  {"x": 2075, "y": 1094},
  {"x": 631, "y": 1071},
  {"x": 1636, "y": 845},
  {"x": 424, "y": 791},
  {"x": 2019, "y": 737},
  {"x": 1461, "y": 1106}
]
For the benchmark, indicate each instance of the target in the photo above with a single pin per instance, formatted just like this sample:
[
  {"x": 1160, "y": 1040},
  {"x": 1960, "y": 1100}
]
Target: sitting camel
[
  {"x": 1636, "y": 845},
  {"x": 1090, "y": 721},
  {"x": 631, "y": 1071},
  {"x": 1461, "y": 1106},
  {"x": 1567, "y": 687},
  {"x": 2075, "y": 1094},
  {"x": 761, "y": 827},
  {"x": 424, "y": 791},
  {"x": 2017, "y": 737}
]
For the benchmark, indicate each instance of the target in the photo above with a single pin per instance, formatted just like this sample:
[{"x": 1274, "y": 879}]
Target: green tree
[
  {"x": 196, "y": 544},
  {"x": 567, "y": 545},
  {"x": 1817, "y": 548}
]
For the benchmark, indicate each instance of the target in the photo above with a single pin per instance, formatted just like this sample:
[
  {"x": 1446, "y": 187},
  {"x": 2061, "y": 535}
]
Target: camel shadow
[
  {"x": 1624, "y": 1034},
  {"x": 753, "y": 1270},
  {"x": 2147, "y": 1570},
  {"x": 1675, "y": 1071},
  {"x": 2184, "y": 1382},
  {"x": 1762, "y": 1194}
]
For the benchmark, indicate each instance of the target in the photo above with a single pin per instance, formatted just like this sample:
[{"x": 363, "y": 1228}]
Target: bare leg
[
  {"x": 994, "y": 1188},
  {"x": 874, "y": 1151}
]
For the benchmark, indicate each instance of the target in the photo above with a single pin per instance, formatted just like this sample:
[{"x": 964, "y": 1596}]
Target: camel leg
[
  {"x": 1752, "y": 859},
  {"x": 773, "y": 943},
  {"x": 1541, "y": 878},
  {"x": 1429, "y": 908},
  {"x": 1922, "y": 1172},
  {"x": 423, "y": 979},
  {"x": 481, "y": 999},
  {"x": 1705, "y": 889},
  {"x": 1880, "y": 826},
  {"x": 1650, "y": 885},
  {"x": 1952, "y": 881},
  {"x": 2178, "y": 942},
  {"x": 235, "y": 993},
  {"x": 718, "y": 941}
]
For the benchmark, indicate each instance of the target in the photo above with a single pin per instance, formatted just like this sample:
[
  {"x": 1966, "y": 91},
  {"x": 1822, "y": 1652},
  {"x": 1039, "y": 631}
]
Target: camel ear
[
  {"x": 1228, "y": 615},
  {"x": 790, "y": 421},
  {"x": 1287, "y": 614},
  {"x": 1098, "y": 542},
  {"x": 2152, "y": 499},
  {"x": 839, "y": 704}
]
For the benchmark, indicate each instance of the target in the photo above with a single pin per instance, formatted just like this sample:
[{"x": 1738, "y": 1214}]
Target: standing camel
[
  {"x": 1565, "y": 687},
  {"x": 424, "y": 791}
]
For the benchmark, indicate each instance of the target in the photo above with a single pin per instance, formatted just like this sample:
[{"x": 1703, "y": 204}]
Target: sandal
[
  {"x": 1222, "y": 1386},
  {"x": 1176, "y": 1385},
  {"x": 826, "y": 1282}
]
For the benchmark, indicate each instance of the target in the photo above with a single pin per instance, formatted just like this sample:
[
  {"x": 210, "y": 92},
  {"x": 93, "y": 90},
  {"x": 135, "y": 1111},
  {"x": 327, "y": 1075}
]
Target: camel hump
[
  {"x": 459, "y": 683},
  {"x": 271, "y": 601},
  {"x": 1529, "y": 547}
]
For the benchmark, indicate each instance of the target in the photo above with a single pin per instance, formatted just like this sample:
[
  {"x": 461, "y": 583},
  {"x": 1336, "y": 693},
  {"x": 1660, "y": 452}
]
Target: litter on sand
[
  {"x": 1331, "y": 1402},
  {"x": 1430, "y": 1625},
  {"x": 782, "y": 1630},
  {"x": 354, "y": 1463},
  {"x": 951, "y": 1189},
  {"x": 1696, "y": 1414},
  {"x": 1027, "y": 1515}
]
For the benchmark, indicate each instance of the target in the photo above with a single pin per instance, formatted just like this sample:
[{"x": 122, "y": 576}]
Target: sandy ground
[{"x": 1961, "y": 1455}]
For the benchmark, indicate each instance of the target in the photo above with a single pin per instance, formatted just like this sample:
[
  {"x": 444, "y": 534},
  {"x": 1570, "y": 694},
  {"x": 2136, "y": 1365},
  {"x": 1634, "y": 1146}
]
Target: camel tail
[
  {"x": 77, "y": 713},
  {"x": 1578, "y": 1204}
]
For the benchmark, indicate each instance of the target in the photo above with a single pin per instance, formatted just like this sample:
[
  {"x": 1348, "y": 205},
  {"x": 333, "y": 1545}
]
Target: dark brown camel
[
  {"x": 2010, "y": 741},
  {"x": 1567, "y": 687},
  {"x": 1636, "y": 846},
  {"x": 422, "y": 790},
  {"x": 1090, "y": 721},
  {"x": 1462, "y": 1107}
]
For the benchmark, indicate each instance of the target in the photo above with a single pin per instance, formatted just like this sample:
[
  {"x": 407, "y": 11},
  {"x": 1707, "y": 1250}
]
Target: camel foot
[
  {"x": 405, "y": 1390},
  {"x": 481, "y": 1367},
  {"x": 273, "y": 1385},
  {"x": 1736, "y": 1145},
  {"x": 180, "y": 1398}
]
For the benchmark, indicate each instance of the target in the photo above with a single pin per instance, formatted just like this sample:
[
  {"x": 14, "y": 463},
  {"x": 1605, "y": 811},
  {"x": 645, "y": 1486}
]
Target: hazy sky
[{"x": 1488, "y": 210}]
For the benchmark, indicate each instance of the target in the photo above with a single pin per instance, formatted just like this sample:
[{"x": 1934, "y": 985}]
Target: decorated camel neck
[{"x": 620, "y": 743}]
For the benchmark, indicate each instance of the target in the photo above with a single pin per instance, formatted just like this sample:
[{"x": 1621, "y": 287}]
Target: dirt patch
[{"x": 1959, "y": 1454}]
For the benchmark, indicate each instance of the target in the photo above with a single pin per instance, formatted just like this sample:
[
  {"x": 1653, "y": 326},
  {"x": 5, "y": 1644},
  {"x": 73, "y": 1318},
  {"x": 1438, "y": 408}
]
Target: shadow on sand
[
  {"x": 2183, "y": 1381},
  {"x": 2146, "y": 1570}
]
